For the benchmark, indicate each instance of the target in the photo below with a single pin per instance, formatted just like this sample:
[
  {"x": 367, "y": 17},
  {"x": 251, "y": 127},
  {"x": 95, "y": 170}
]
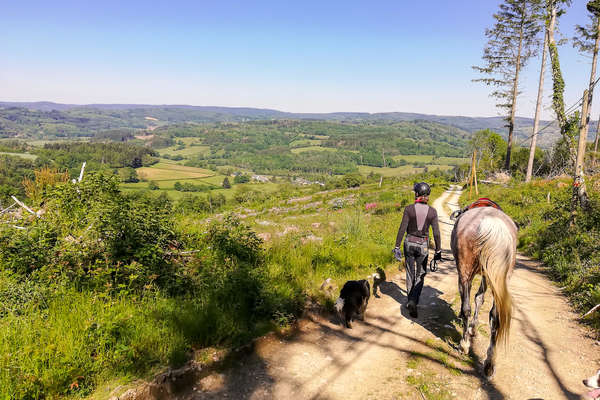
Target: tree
[
  {"x": 128, "y": 175},
  {"x": 153, "y": 185},
  {"x": 586, "y": 41},
  {"x": 511, "y": 43},
  {"x": 554, "y": 10},
  {"x": 241, "y": 179},
  {"x": 538, "y": 109},
  {"x": 490, "y": 149},
  {"x": 226, "y": 184}
]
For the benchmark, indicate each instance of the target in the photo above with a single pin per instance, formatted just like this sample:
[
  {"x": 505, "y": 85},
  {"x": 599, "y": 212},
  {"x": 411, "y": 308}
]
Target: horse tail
[{"x": 496, "y": 255}]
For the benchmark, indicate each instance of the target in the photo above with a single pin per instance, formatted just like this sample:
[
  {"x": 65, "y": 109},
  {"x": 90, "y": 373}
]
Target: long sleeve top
[{"x": 416, "y": 221}]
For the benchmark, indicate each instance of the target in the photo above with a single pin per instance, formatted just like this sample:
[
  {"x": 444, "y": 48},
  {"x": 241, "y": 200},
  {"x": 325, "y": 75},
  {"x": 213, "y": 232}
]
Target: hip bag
[{"x": 416, "y": 239}]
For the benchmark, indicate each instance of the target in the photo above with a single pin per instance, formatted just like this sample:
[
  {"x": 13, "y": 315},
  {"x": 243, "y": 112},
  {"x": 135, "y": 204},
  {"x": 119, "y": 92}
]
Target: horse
[{"x": 484, "y": 241}]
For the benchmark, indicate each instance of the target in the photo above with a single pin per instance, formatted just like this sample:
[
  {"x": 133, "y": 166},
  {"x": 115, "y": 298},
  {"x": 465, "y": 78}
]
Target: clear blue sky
[{"x": 304, "y": 56}]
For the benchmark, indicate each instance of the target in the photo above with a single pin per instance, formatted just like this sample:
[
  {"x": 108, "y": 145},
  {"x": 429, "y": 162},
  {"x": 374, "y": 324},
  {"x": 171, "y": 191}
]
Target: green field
[
  {"x": 305, "y": 143},
  {"x": 400, "y": 171},
  {"x": 431, "y": 159},
  {"x": 171, "y": 171},
  {"x": 193, "y": 146},
  {"x": 22, "y": 155},
  {"x": 311, "y": 148}
]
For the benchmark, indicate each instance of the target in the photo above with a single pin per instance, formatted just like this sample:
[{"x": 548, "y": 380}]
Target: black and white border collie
[
  {"x": 354, "y": 298},
  {"x": 593, "y": 382}
]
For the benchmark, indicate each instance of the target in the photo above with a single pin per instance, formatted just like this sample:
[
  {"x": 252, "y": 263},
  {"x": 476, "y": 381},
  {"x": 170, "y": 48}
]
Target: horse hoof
[
  {"x": 465, "y": 346},
  {"x": 488, "y": 370}
]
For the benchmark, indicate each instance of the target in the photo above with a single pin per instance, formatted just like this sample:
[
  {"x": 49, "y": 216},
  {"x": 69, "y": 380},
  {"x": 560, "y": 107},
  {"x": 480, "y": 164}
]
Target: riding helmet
[{"x": 422, "y": 189}]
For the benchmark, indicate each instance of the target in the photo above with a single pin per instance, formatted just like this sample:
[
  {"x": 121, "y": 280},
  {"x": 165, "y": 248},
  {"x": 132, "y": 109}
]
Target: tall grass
[{"x": 59, "y": 339}]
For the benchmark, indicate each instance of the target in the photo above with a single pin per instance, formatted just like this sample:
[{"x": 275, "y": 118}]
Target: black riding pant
[{"x": 416, "y": 268}]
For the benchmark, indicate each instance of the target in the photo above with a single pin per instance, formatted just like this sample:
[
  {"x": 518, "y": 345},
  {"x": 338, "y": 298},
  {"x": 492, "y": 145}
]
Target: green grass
[
  {"x": 311, "y": 148},
  {"x": 388, "y": 172},
  {"x": 91, "y": 338},
  {"x": 26, "y": 156},
  {"x": 171, "y": 171},
  {"x": 305, "y": 143}
]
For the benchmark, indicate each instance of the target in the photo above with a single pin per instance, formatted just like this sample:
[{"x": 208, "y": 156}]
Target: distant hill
[{"x": 47, "y": 119}]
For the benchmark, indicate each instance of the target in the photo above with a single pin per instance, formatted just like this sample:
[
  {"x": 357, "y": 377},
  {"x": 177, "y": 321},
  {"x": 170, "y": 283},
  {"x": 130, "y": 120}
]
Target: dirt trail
[{"x": 391, "y": 356}]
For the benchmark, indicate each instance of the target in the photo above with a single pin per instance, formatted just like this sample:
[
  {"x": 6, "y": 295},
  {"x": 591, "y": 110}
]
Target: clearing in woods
[
  {"x": 171, "y": 171},
  {"x": 391, "y": 356}
]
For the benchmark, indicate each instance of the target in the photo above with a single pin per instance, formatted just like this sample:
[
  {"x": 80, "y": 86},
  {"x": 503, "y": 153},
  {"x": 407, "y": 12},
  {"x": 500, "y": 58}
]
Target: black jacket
[{"x": 416, "y": 221}]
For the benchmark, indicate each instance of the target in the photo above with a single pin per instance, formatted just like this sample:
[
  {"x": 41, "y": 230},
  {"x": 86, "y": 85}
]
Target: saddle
[{"x": 482, "y": 202}]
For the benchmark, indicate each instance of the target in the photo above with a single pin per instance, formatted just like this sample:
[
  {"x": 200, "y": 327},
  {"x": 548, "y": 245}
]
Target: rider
[{"x": 417, "y": 219}]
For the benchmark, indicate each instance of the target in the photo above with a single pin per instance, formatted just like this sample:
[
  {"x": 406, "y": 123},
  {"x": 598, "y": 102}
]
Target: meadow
[{"x": 136, "y": 309}]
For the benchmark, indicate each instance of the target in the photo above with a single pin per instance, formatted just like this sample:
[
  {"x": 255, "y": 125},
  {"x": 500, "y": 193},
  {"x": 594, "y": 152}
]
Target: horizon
[
  {"x": 125, "y": 105},
  {"x": 301, "y": 58}
]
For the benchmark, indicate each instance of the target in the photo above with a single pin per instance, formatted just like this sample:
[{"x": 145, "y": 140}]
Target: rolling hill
[{"x": 54, "y": 120}]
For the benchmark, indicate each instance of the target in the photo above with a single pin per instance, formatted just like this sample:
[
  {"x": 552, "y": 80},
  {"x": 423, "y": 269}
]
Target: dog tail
[
  {"x": 339, "y": 305},
  {"x": 326, "y": 284}
]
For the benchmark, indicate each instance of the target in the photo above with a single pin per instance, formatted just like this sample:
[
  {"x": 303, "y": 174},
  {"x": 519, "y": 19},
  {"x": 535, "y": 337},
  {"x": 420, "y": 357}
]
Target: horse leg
[
  {"x": 479, "y": 298},
  {"x": 465, "y": 312},
  {"x": 489, "y": 367}
]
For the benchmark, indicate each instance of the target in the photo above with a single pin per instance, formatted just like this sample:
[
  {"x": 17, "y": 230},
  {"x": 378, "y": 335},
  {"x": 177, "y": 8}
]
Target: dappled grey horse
[{"x": 484, "y": 241}]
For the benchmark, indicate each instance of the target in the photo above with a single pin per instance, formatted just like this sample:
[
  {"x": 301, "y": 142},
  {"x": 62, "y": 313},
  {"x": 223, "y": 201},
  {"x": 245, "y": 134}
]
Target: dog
[
  {"x": 353, "y": 301},
  {"x": 593, "y": 382}
]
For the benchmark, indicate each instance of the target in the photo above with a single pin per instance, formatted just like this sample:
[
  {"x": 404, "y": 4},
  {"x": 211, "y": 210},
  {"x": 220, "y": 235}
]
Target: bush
[{"x": 241, "y": 179}]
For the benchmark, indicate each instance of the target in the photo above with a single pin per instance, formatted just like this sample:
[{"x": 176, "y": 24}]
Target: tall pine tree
[{"x": 512, "y": 41}]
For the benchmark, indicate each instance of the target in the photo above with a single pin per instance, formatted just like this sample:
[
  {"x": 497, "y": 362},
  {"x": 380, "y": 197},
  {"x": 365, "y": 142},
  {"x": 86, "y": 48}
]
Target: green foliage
[
  {"x": 491, "y": 149},
  {"x": 226, "y": 184},
  {"x": 241, "y": 178},
  {"x": 13, "y": 170},
  {"x": 97, "y": 155},
  {"x": 128, "y": 175},
  {"x": 152, "y": 185}
]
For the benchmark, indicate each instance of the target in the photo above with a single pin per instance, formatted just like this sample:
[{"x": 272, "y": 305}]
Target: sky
[{"x": 302, "y": 56}]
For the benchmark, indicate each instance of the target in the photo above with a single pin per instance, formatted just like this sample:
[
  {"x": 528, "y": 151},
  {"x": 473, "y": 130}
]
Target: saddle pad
[{"x": 483, "y": 202}]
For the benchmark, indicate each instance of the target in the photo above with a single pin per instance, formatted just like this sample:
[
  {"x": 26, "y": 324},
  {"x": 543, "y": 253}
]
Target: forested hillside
[{"x": 52, "y": 120}]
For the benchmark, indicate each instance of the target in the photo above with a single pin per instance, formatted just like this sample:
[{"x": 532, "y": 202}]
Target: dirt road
[{"x": 391, "y": 356}]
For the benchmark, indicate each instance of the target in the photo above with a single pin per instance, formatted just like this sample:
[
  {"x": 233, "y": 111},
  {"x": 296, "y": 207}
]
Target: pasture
[{"x": 171, "y": 171}]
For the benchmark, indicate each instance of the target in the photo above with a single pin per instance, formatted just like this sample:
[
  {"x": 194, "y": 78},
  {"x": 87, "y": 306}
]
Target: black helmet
[{"x": 422, "y": 189}]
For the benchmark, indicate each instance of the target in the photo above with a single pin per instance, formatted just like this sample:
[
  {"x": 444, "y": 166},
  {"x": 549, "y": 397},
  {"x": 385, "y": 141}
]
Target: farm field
[
  {"x": 27, "y": 156},
  {"x": 430, "y": 158},
  {"x": 297, "y": 150},
  {"x": 172, "y": 171}
]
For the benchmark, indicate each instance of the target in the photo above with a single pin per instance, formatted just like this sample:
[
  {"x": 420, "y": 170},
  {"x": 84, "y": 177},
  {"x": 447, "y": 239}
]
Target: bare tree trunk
[
  {"x": 579, "y": 192},
  {"x": 538, "y": 108},
  {"x": 592, "y": 77},
  {"x": 596, "y": 142},
  {"x": 513, "y": 108}
]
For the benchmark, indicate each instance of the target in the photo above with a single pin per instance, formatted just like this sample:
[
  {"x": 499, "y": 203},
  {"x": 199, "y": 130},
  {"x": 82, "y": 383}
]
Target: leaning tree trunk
[
  {"x": 513, "y": 107},
  {"x": 538, "y": 108},
  {"x": 579, "y": 189},
  {"x": 593, "y": 75}
]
